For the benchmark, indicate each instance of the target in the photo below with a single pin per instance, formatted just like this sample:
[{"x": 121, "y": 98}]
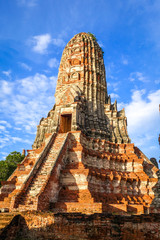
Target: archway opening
[{"x": 65, "y": 123}]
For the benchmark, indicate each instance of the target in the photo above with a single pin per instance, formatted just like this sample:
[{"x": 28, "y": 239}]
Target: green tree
[
  {"x": 8, "y": 166},
  {"x": 3, "y": 171}
]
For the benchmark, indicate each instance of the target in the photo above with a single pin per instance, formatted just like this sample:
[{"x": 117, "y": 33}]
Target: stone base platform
[
  {"x": 136, "y": 209},
  {"x": 73, "y": 207},
  {"x": 91, "y": 208},
  {"x": 76, "y": 226},
  {"x": 115, "y": 208}
]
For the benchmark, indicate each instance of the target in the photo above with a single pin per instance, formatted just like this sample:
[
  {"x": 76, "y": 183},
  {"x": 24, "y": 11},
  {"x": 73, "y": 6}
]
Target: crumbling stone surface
[
  {"x": 154, "y": 161},
  {"x": 45, "y": 226}
]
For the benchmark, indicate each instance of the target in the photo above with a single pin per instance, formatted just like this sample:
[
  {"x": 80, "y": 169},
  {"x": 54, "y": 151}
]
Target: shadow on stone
[
  {"x": 76, "y": 226},
  {"x": 16, "y": 230}
]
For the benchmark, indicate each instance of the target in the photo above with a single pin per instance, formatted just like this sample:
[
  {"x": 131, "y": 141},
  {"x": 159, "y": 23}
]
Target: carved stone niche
[
  {"x": 76, "y": 62},
  {"x": 75, "y": 76},
  {"x": 75, "y": 50}
]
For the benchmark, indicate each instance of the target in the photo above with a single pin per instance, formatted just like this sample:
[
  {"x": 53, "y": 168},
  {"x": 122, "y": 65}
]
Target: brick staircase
[
  {"x": 12, "y": 187},
  {"x": 5, "y": 219},
  {"x": 30, "y": 199}
]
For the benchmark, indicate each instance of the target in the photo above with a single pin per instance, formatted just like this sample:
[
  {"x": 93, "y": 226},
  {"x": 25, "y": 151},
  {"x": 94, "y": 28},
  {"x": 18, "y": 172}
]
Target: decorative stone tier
[
  {"x": 103, "y": 172},
  {"x": 75, "y": 173}
]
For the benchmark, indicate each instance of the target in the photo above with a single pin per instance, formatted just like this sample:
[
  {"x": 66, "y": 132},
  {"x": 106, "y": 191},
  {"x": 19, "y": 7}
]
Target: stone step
[
  {"x": 36, "y": 181},
  {"x": 34, "y": 192},
  {"x": 46, "y": 170},
  {"x": 5, "y": 219},
  {"x": 26, "y": 207},
  {"x": 3, "y": 224},
  {"x": 37, "y": 184}
]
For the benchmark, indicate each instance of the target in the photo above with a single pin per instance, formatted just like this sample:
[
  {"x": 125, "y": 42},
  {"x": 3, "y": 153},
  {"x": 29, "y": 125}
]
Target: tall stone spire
[
  {"x": 82, "y": 75},
  {"x": 82, "y": 92},
  {"x": 82, "y": 66}
]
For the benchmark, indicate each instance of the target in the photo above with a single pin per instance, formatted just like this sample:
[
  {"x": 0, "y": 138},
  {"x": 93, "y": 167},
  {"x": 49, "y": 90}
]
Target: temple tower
[
  {"x": 82, "y": 102},
  {"x": 82, "y": 76},
  {"x": 82, "y": 159}
]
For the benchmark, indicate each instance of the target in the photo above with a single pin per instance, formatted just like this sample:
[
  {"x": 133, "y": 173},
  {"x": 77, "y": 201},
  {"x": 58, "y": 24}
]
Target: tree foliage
[
  {"x": 8, "y": 166},
  {"x": 93, "y": 36}
]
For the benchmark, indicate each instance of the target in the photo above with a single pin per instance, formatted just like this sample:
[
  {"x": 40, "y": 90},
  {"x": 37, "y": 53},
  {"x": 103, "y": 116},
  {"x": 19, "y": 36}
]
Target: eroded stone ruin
[{"x": 82, "y": 158}]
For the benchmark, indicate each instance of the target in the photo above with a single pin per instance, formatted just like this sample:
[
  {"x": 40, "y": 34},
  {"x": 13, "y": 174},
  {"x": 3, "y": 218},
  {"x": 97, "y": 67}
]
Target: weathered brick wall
[{"x": 83, "y": 227}]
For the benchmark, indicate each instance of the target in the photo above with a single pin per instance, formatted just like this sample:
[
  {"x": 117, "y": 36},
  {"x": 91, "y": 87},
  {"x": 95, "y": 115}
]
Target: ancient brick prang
[
  {"x": 81, "y": 91},
  {"x": 82, "y": 160}
]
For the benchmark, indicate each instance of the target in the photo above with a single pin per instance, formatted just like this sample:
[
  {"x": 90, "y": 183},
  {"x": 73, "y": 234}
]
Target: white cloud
[
  {"x": 41, "y": 43},
  {"x": 8, "y": 125},
  {"x": 18, "y": 129},
  {"x": 138, "y": 76},
  {"x": 5, "y": 88},
  {"x": 33, "y": 84},
  {"x": 7, "y": 140},
  {"x": 31, "y": 100},
  {"x": 16, "y": 139},
  {"x": 25, "y": 66},
  {"x": 110, "y": 70},
  {"x": 143, "y": 120},
  {"x": 4, "y": 154},
  {"x": 113, "y": 86},
  {"x": 58, "y": 42},
  {"x": 7, "y": 73},
  {"x": 157, "y": 81},
  {"x": 120, "y": 105},
  {"x": 2, "y": 127},
  {"x": 28, "y": 3},
  {"x": 47, "y": 71},
  {"x": 53, "y": 63},
  {"x": 53, "y": 80},
  {"x": 100, "y": 44},
  {"x": 114, "y": 95},
  {"x": 143, "y": 114},
  {"x": 124, "y": 60}
]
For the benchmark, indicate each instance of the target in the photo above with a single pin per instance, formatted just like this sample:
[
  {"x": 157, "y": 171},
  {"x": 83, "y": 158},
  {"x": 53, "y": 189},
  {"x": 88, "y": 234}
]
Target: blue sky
[{"x": 33, "y": 34}]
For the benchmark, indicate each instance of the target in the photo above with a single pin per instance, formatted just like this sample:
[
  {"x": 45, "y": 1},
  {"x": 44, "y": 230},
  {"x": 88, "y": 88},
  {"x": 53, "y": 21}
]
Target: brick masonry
[
  {"x": 82, "y": 159},
  {"x": 67, "y": 226}
]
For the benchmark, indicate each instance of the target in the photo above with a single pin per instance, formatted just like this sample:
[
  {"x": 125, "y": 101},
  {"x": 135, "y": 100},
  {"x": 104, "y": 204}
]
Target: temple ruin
[{"x": 82, "y": 159}]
